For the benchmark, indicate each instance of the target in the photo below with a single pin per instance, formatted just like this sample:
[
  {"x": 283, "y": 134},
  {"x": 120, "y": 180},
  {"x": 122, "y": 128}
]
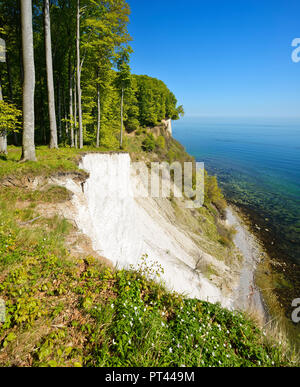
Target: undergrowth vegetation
[{"x": 81, "y": 314}]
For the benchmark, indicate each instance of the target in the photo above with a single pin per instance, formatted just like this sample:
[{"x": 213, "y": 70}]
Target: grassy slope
[
  {"x": 49, "y": 162},
  {"x": 71, "y": 311}
]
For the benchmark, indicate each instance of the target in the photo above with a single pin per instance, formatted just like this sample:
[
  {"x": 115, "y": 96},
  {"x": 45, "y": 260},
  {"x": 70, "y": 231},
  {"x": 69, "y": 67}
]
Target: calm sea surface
[{"x": 258, "y": 166}]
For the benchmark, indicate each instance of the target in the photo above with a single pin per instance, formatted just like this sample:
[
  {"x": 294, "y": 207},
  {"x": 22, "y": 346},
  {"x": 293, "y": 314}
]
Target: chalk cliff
[{"x": 123, "y": 228}]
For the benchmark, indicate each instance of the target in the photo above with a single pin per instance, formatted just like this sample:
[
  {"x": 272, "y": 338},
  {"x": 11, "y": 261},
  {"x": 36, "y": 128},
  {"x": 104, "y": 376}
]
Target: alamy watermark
[
  {"x": 296, "y": 312},
  {"x": 2, "y": 311},
  {"x": 296, "y": 51},
  {"x": 164, "y": 180},
  {"x": 157, "y": 180}
]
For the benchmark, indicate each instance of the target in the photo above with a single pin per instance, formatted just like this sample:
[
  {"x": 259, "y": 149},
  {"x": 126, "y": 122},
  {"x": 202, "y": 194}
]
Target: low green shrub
[
  {"x": 131, "y": 125},
  {"x": 161, "y": 142},
  {"x": 148, "y": 145}
]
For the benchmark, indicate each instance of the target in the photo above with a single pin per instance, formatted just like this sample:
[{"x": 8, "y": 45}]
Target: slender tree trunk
[
  {"x": 121, "y": 136},
  {"x": 59, "y": 108},
  {"x": 66, "y": 140},
  {"x": 65, "y": 114},
  {"x": 28, "y": 147},
  {"x": 43, "y": 115},
  {"x": 80, "y": 129},
  {"x": 75, "y": 115},
  {"x": 44, "y": 134},
  {"x": 3, "y": 134},
  {"x": 50, "y": 83},
  {"x": 99, "y": 117},
  {"x": 3, "y": 143},
  {"x": 71, "y": 104},
  {"x": 71, "y": 114},
  {"x": 18, "y": 33}
]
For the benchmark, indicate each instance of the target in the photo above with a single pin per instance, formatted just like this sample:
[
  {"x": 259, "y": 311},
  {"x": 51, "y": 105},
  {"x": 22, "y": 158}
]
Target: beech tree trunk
[
  {"x": 3, "y": 134},
  {"x": 50, "y": 83},
  {"x": 44, "y": 132},
  {"x": 65, "y": 115},
  {"x": 99, "y": 117},
  {"x": 71, "y": 113},
  {"x": 18, "y": 33},
  {"x": 71, "y": 104},
  {"x": 59, "y": 107},
  {"x": 80, "y": 128},
  {"x": 121, "y": 136},
  {"x": 28, "y": 147},
  {"x": 3, "y": 143},
  {"x": 75, "y": 115}
]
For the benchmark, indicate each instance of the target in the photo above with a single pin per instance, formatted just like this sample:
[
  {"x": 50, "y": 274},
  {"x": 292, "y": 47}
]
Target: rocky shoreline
[
  {"x": 247, "y": 296},
  {"x": 277, "y": 278}
]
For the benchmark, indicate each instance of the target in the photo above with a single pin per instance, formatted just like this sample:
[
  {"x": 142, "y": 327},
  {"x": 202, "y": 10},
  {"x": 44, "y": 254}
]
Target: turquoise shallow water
[{"x": 258, "y": 166}]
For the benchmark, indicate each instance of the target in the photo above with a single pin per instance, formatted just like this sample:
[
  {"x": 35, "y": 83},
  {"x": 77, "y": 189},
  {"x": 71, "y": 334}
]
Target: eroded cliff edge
[
  {"x": 115, "y": 227},
  {"x": 123, "y": 229}
]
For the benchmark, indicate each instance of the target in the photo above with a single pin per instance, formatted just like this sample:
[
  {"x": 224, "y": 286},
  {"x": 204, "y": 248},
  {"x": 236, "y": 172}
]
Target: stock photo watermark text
[
  {"x": 296, "y": 51},
  {"x": 296, "y": 311}
]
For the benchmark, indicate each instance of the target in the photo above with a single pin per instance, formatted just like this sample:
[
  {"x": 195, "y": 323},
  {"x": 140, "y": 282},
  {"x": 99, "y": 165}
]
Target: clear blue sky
[{"x": 221, "y": 58}]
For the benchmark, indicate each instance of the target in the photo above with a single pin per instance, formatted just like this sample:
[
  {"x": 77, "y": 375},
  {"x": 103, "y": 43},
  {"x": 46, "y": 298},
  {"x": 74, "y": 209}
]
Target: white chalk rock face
[
  {"x": 168, "y": 124},
  {"x": 124, "y": 228}
]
